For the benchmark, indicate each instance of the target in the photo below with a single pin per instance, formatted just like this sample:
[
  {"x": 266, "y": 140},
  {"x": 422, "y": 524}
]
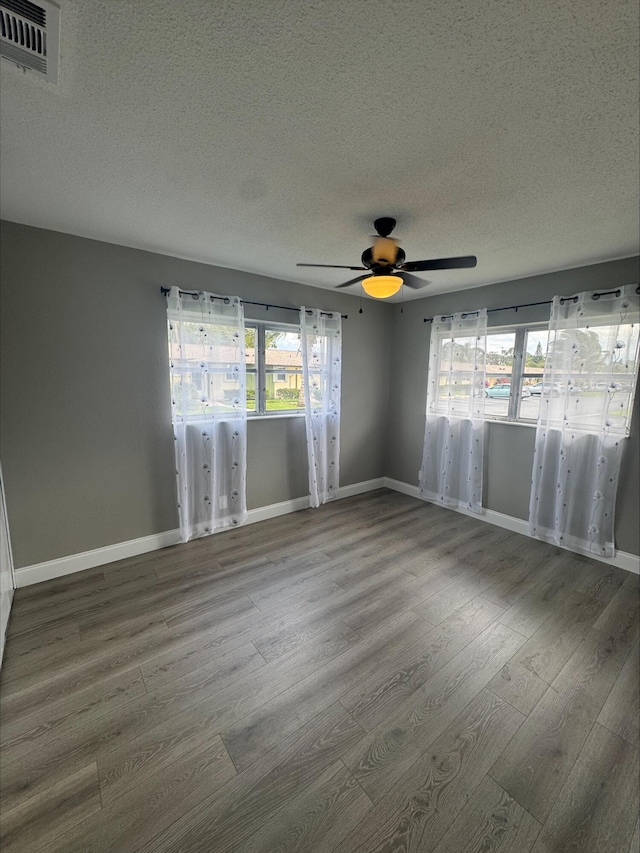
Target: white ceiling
[{"x": 253, "y": 134}]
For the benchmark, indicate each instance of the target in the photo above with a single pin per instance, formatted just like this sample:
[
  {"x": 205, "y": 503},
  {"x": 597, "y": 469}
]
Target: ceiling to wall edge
[{"x": 394, "y": 300}]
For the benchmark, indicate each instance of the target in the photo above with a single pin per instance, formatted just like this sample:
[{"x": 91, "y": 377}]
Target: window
[
  {"x": 273, "y": 358},
  {"x": 535, "y": 344},
  {"x": 514, "y": 359},
  {"x": 274, "y": 369},
  {"x": 595, "y": 360},
  {"x": 500, "y": 353},
  {"x": 205, "y": 386}
]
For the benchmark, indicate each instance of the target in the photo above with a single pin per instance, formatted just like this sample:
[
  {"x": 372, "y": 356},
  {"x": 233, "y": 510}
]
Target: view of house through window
[
  {"x": 515, "y": 358},
  {"x": 274, "y": 369},
  {"x": 273, "y": 364},
  {"x": 208, "y": 385}
]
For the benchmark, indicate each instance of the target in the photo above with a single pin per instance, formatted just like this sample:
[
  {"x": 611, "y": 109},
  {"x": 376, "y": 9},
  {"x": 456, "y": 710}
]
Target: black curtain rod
[
  {"x": 267, "y": 305},
  {"x": 491, "y": 310},
  {"x": 530, "y": 304}
]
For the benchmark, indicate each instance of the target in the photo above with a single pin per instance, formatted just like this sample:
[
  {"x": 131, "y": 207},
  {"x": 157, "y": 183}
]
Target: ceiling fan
[{"x": 386, "y": 268}]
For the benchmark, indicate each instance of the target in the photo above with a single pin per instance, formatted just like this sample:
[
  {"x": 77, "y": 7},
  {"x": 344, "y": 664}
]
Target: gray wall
[
  {"x": 509, "y": 447},
  {"x": 85, "y": 432}
]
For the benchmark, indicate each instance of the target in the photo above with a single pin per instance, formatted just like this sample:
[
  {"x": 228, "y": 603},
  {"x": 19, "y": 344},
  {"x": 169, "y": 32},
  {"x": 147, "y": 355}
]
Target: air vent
[{"x": 30, "y": 36}]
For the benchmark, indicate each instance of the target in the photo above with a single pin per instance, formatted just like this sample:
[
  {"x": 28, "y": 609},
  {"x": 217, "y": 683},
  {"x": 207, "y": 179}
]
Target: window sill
[
  {"x": 275, "y": 416},
  {"x": 199, "y": 421},
  {"x": 529, "y": 424}
]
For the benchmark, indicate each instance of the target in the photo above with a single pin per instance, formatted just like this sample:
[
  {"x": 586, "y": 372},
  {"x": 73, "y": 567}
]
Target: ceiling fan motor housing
[{"x": 385, "y": 253}]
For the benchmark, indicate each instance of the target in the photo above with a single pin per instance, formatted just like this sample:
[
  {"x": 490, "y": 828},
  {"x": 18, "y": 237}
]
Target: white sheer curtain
[
  {"x": 452, "y": 460},
  {"x": 590, "y": 375},
  {"x": 321, "y": 341},
  {"x": 6, "y": 569},
  {"x": 208, "y": 396}
]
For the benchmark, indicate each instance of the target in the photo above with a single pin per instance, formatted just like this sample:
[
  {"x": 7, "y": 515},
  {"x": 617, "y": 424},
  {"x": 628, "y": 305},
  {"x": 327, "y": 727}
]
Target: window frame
[
  {"x": 520, "y": 373},
  {"x": 260, "y": 370},
  {"x": 518, "y": 369}
]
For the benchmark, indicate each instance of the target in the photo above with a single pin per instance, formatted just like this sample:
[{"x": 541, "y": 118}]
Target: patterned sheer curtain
[
  {"x": 590, "y": 378},
  {"x": 208, "y": 397},
  {"x": 6, "y": 569},
  {"x": 452, "y": 460},
  {"x": 321, "y": 341}
]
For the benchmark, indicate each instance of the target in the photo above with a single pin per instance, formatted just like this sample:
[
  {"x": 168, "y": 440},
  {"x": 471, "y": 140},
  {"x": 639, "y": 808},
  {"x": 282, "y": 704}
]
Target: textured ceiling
[{"x": 257, "y": 134}]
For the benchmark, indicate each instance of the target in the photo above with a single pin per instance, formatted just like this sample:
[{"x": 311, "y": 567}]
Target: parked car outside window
[
  {"x": 503, "y": 389},
  {"x": 552, "y": 388}
]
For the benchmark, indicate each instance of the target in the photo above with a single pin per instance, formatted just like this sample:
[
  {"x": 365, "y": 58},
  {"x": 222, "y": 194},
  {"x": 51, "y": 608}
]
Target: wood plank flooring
[{"x": 377, "y": 675}]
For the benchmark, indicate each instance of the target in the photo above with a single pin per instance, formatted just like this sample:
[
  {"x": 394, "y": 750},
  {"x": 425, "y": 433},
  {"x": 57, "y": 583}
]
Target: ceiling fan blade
[
  {"x": 413, "y": 280},
  {"x": 354, "y": 280},
  {"x": 441, "y": 264},
  {"x": 332, "y": 266}
]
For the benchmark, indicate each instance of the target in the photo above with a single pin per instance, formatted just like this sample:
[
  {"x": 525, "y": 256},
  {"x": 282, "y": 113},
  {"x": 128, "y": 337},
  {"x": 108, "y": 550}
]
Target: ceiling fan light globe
[{"x": 382, "y": 286}]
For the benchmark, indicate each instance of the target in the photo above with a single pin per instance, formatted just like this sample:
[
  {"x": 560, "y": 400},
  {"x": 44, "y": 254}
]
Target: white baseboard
[
  {"x": 262, "y": 513},
  {"x": 90, "y": 559},
  {"x": 621, "y": 560},
  {"x": 399, "y": 486},
  {"x": 122, "y": 550},
  {"x": 361, "y": 488}
]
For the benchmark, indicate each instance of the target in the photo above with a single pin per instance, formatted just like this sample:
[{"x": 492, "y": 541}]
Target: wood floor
[{"x": 380, "y": 674}]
